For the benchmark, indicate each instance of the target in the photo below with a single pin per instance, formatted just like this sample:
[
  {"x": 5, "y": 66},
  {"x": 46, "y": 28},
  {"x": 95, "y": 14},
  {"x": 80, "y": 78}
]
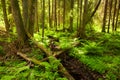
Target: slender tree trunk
[
  {"x": 49, "y": 3},
  {"x": 53, "y": 17},
  {"x": 59, "y": 12},
  {"x": 110, "y": 9},
  {"x": 94, "y": 11},
  {"x": 7, "y": 25},
  {"x": 71, "y": 16},
  {"x": 80, "y": 20},
  {"x": 83, "y": 21},
  {"x": 81, "y": 1},
  {"x": 36, "y": 16},
  {"x": 55, "y": 21},
  {"x": 64, "y": 3},
  {"x": 105, "y": 16},
  {"x": 78, "y": 5},
  {"x": 22, "y": 37},
  {"x": 117, "y": 15},
  {"x": 43, "y": 23},
  {"x": 114, "y": 14},
  {"x": 85, "y": 15}
]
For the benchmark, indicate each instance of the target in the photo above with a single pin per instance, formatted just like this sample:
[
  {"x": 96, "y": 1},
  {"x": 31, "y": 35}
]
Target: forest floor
[{"x": 77, "y": 69}]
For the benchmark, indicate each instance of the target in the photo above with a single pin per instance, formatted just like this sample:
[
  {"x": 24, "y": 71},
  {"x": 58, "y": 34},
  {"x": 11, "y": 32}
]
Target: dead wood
[
  {"x": 62, "y": 69},
  {"x": 35, "y": 61},
  {"x": 49, "y": 53}
]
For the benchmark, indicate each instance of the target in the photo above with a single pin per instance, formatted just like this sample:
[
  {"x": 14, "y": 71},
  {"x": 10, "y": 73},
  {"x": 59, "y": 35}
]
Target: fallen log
[
  {"x": 35, "y": 61},
  {"x": 49, "y": 53},
  {"x": 61, "y": 67}
]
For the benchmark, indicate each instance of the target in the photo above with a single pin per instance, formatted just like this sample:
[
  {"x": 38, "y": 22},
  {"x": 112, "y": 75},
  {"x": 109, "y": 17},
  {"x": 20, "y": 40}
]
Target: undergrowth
[
  {"x": 20, "y": 70},
  {"x": 101, "y": 55}
]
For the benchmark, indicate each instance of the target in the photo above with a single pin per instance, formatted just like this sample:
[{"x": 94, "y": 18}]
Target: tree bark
[
  {"x": 71, "y": 16},
  {"x": 110, "y": 10},
  {"x": 114, "y": 15},
  {"x": 78, "y": 5},
  {"x": 117, "y": 14},
  {"x": 25, "y": 13},
  {"x": 31, "y": 12},
  {"x": 105, "y": 16},
  {"x": 7, "y": 25},
  {"x": 29, "y": 15},
  {"x": 36, "y": 16},
  {"x": 55, "y": 21},
  {"x": 22, "y": 37},
  {"x": 43, "y": 17},
  {"x": 83, "y": 20},
  {"x": 49, "y": 3},
  {"x": 64, "y": 2},
  {"x": 80, "y": 20}
]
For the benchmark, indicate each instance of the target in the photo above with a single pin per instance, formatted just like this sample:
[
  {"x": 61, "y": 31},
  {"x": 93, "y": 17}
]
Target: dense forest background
[{"x": 70, "y": 39}]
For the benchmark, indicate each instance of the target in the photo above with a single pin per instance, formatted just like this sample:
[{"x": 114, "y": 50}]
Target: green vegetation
[
  {"x": 20, "y": 70},
  {"x": 101, "y": 55},
  {"x": 35, "y": 34}
]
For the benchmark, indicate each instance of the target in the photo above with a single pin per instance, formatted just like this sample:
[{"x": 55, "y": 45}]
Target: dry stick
[{"x": 49, "y": 53}]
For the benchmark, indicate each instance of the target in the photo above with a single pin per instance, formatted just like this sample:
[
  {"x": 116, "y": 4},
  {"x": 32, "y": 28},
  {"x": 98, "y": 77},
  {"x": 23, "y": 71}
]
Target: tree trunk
[
  {"x": 22, "y": 37},
  {"x": 105, "y": 16},
  {"x": 114, "y": 15},
  {"x": 29, "y": 15},
  {"x": 78, "y": 5},
  {"x": 31, "y": 11},
  {"x": 71, "y": 16},
  {"x": 94, "y": 11},
  {"x": 7, "y": 25},
  {"x": 55, "y": 21},
  {"x": 43, "y": 17},
  {"x": 25, "y": 13},
  {"x": 53, "y": 17},
  {"x": 36, "y": 16},
  {"x": 80, "y": 23},
  {"x": 49, "y": 3},
  {"x": 83, "y": 20},
  {"x": 110, "y": 9},
  {"x": 117, "y": 15},
  {"x": 59, "y": 10},
  {"x": 64, "y": 15}
]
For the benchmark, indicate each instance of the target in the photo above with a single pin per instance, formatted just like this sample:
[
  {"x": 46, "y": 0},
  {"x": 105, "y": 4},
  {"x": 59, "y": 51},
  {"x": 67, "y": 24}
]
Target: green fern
[{"x": 92, "y": 48}]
